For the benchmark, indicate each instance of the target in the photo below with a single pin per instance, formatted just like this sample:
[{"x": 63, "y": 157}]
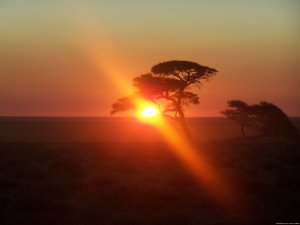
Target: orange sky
[{"x": 75, "y": 58}]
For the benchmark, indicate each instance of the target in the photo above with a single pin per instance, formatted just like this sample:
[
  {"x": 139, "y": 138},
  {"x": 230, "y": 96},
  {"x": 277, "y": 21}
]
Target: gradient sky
[{"x": 75, "y": 58}]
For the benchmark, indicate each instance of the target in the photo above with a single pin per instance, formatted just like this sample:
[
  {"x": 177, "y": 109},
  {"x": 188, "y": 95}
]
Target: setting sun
[{"x": 149, "y": 112}]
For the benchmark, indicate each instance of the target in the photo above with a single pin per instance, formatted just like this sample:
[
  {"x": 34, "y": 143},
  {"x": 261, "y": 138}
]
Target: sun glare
[{"x": 149, "y": 112}]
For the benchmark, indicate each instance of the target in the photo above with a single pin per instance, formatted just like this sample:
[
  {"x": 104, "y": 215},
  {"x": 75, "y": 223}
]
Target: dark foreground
[{"x": 131, "y": 183}]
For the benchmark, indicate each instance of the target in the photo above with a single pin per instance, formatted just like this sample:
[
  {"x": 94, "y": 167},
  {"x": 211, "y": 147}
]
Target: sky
[{"x": 76, "y": 58}]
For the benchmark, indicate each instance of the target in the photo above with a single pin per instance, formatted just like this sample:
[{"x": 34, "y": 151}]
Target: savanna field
[{"x": 119, "y": 171}]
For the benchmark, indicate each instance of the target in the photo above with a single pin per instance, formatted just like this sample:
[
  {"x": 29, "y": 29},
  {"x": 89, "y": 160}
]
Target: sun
[{"x": 149, "y": 112}]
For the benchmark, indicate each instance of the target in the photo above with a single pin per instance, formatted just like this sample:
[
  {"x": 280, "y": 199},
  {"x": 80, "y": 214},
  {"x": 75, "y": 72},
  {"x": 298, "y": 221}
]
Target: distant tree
[
  {"x": 169, "y": 86},
  {"x": 262, "y": 120},
  {"x": 239, "y": 112},
  {"x": 272, "y": 121}
]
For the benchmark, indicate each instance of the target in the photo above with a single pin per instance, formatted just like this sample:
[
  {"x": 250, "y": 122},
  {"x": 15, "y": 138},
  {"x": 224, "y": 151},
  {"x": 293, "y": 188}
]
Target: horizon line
[{"x": 62, "y": 116}]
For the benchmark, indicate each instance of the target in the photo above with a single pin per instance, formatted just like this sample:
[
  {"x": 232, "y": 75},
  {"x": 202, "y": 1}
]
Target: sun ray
[
  {"x": 106, "y": 61},
  {"x": 222, "y": 193}
]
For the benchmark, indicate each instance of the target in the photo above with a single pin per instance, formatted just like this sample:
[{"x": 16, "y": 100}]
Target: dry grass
[
  {"x": 108, "y": 183},
  {"x": 131, "y": 182}
]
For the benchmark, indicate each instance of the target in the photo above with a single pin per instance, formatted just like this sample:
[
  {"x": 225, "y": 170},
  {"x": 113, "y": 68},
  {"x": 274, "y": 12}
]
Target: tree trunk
[
  {"x": 182, "y": 120},
  {"x": 184, "y": 127}
]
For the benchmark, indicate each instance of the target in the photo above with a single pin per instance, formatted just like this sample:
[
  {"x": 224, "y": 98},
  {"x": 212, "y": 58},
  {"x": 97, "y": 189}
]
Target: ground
[{"x": 144, "y": 183}]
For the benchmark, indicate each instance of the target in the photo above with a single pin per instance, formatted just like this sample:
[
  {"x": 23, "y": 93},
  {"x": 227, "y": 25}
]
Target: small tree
[
  {"x": 262, "y": 120},
  {"x": 169, "y": 86},
  {"x": 272, "y": 121},
  {"x": 239, "y": 112}
]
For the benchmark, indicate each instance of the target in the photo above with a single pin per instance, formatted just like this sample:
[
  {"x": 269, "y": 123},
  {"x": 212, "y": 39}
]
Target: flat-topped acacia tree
[{"x": 169, "y": 85}]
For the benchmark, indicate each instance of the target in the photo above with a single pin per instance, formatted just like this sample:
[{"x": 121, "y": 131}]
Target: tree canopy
[
  {"x": 261, "y": 120},
  {"x": 169, "y": 85}
]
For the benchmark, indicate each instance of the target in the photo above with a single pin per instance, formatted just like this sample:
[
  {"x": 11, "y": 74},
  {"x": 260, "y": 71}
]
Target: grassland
[{"x": 84, "y": 180}]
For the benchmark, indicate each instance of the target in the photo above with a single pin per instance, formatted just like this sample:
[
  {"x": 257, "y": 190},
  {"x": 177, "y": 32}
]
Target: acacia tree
[
  {"x": 169, "y": 85},
  {"x": 239, "y": 112},
  {"x": 261, "y": 120}
]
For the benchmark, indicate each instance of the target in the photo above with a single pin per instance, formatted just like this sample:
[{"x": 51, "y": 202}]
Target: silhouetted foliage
[
  {"x": 169, "y": 86},
  {"x": 262, "y": 120},
  {"x": 123, "y": 104}
]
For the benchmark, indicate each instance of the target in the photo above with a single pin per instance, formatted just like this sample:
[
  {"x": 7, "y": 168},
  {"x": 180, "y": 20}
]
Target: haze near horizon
[{"x": 75, "y": 58}]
